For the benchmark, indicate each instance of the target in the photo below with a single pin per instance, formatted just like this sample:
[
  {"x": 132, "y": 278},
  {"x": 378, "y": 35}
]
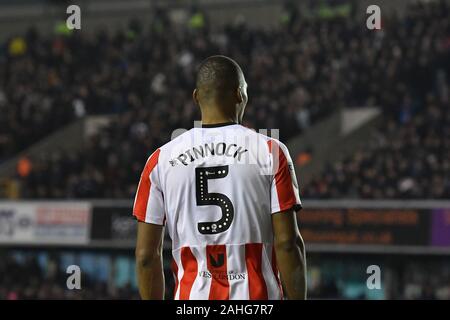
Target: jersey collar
[{"x": 216, "y": 125}]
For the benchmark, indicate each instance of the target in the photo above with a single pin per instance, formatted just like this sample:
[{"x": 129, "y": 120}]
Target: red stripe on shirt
[
  {"x": 216, "y": 256},
  {"x": 283, "y": 179},
  {"x": 256, "y": 282},
  {"x": 275, "y": 272},
  {"x": 189, "y": 263},
  {"x": 143, "y": 192},
  {"x": 175, "y": 275}
]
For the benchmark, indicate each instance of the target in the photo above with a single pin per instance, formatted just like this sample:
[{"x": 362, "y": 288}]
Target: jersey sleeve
[
  {"x": 284, "y": 191},
  {"x": 149, "y": 201}
]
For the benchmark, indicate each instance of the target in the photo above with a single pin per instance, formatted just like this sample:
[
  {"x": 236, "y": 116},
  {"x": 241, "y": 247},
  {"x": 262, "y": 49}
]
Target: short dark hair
[{"x": 217, "y": 76}]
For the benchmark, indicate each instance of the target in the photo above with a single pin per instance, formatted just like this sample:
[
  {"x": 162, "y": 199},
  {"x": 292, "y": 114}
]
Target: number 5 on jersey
[{"x": 204, "y": 198}]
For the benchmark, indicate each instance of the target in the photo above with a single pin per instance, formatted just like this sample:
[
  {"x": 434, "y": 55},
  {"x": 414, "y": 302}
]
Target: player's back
[{"x": 215, "y": 188}]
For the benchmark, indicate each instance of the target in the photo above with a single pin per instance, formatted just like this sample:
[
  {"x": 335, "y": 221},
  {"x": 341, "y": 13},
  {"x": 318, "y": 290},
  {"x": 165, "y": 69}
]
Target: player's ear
[
  {"x": 195, "y": 96},
  {"x": 239, "y": 95},
  {"x": 242, "y": 97}
]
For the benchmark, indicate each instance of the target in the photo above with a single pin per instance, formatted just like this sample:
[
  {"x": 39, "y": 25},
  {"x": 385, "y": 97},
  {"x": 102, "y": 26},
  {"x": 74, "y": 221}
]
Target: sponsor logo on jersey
[{"x": 221, "y": 275}]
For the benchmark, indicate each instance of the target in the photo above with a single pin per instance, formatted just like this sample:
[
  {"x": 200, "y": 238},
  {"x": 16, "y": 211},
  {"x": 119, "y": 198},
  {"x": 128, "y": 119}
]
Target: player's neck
[
  {"x": 214, "y": 116},
  {"x": 218, "y": 121}
]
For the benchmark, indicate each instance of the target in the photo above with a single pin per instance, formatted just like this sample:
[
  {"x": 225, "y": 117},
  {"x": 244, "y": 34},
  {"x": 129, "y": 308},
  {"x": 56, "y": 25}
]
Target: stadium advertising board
[
  {"x": 440, "y": 226},
  {"x": 113, "y": 223},
  {"x": 384, "y": 227},
  {"x": 355, "y": 226},
  {"x": 45, "y": 222},
  {"x": 110, "y": 224}
]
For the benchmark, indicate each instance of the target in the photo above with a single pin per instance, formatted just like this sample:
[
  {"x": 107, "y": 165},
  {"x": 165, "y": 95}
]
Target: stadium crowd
[
  {"x": 297, "y": 73},
  {"x": 407, "y": 161},
  {"x": 408, "y": 155},
  {"x": 26, "y": 278},
  {"x": 48, "y": 81}
]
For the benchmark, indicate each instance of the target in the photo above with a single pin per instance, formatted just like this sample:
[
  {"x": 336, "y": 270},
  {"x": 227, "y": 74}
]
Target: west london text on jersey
[
  {"x": 229, "y": 275},
  {"x": 209, "y": 149}
]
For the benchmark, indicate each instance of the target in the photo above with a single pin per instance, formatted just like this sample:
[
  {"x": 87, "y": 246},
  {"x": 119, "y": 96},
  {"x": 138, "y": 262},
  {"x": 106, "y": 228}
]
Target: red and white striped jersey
[{"x": 215, "y": 189}]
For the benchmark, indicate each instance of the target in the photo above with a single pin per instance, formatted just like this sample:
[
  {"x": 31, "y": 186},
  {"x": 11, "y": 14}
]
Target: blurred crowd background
[
  {"x": 300, "y": 71},
  {"x": 40, "y": 274}
]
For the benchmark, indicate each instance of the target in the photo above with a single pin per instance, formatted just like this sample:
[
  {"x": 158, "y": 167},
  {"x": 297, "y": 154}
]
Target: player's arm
[
  {"x": 285, "y": 201},
  {"x": 290, "y": 254},
  {"x": 149, "y": 267},
  {"x": 149, "y": 211}
]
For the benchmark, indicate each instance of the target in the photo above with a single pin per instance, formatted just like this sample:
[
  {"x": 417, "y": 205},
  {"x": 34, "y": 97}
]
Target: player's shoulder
[
  {"x": 177, "y": 139},
  {"x": 159, "y": 154},
  {"x": 269, "y": 140},
  {"x": 277, "y": 143},
  {"x": 262, "y": 137},
  {"x": 177, "y": 145},
  {"x": 275, "y": 147},
  {"x": 252, "y": 133}
]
